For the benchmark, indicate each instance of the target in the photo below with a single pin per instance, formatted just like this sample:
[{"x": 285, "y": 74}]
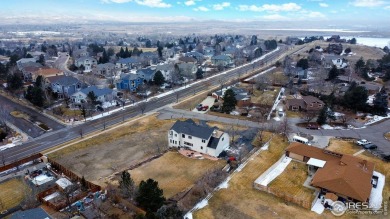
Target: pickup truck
[{"x": 363, "y": 142}]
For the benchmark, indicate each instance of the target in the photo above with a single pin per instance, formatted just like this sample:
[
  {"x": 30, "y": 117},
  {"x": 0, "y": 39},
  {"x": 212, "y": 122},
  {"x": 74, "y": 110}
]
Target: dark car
[
  {"x": 370, "y": 146},
  {"x": 199, "y": 107},
  {"x": 312, "y": 126}
]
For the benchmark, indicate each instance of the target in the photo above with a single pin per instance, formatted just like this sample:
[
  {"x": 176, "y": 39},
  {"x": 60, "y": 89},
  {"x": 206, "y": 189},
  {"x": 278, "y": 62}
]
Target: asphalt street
[{"x": 28, "y": 127}]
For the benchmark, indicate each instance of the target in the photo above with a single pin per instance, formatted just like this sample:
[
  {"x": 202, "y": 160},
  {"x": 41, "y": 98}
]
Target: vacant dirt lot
[
  {"x": 241, "y": 200},
  {"x": 174, "y": 172},
  {"x": 116, "y": 149},
  {"x": 12, "y": 193}
]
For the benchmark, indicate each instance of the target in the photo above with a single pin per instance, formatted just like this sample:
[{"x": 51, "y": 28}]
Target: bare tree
[
  {"x": 2, "y": 158},
  {"x": 221, "y": 82},
  {"x": 142, "y": 106},
  {"x": 284, "y": 127},
  {"x": 81, "y": 132},
  {"x": 308, "y": 115},
  {"x": 5, "y": 116}
]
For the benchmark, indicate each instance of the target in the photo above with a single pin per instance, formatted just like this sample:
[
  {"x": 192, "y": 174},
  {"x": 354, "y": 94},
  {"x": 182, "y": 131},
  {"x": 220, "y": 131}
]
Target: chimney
[{"x": 214, "y": 133}]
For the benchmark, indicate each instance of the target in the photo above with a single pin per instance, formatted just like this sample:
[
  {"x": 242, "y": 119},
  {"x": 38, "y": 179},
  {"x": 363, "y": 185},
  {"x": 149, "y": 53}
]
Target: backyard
[
  {"x": 241, "y": 200},
  {"x": 174, "y": 172},
  {"x": 12, "y": 193}
]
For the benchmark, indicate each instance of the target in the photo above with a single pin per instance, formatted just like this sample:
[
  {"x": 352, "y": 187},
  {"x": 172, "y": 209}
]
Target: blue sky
[{"x": 186, "y": 10}]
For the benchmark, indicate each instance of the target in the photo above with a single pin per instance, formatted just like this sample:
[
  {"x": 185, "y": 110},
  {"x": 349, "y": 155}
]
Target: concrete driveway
[{"x": 209, "y": 101}]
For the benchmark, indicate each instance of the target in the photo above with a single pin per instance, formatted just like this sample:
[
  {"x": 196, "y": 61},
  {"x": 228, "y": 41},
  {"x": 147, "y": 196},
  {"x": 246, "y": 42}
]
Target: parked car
[
  {"x": 363, "y": 142},
  {"x": 312, "y": 126},
  {"x": 205, "y": 108},
  {"x": 199, "y": 107},
  {"x": 370, "y": 146}
]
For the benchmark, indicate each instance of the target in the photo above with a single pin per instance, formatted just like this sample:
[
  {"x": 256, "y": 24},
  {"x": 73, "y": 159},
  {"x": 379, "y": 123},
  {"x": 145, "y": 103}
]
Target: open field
[
  {"x": 12, "y": 193},
  {"x": 387, "y": 136},
  {"x": 174, "y": 172},
  {"x": 115, "y": 149},
  {"x": 241, "y": 200},
  {"x": 228, "y": 116},
  {"x": 290, "y": 182},
  {"x": 380, "y": 166},
  {"x": 191, "y": 103},
  {"x": 366, "y": 52},
  {"x": 264, "y": 97}
]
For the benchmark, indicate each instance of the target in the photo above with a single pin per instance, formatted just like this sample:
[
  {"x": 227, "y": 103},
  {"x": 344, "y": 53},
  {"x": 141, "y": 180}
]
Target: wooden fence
[{"x": 20, "y": 162}]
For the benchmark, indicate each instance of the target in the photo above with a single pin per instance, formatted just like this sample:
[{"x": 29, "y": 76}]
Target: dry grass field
[
  {"x": 174, "y": 172},
  {"x": 18, "y": 114},
  {"x": 387, "y": 136},
  {"x": 12, "y": 193},
  {"x": 380, "y": 166},
  {"x": 190, "y": 103},
  {"x": 290, "y": 182},
  {"x": 241, "y": 200},
  {"x": 115, "y": 149}
]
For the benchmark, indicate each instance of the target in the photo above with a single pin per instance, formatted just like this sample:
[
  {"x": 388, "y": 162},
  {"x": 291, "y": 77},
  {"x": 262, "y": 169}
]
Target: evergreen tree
[
  {"x": 84, "y": 186},
  {"x": 229, "y": 101},
  {"x": 355, "y": 97},
  {"x": 126, "y": 184},
  {"x": 333, "y": 73},
  {"x": 380, "y": 102},
  {"x": 35, "y": 95},
  {"x": 303, "y": 63},
  {"x": 14, "y": 82},
  {"x": 159, "y": 51},
  {"x": 150, "y": 196},
  {"x": 321, "y": 119},
  {"x": 84, "y": 112},
  {"x": 41, "y": 59},
  {"x": 92, "y": 98},
  {"x": 199, "y": 73},
  {"x": 158, "y": 78}
]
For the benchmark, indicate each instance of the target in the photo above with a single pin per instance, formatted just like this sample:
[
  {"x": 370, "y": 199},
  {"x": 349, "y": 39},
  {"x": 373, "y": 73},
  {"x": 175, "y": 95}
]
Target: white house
[
  {"x": 200, "y": 138},
  {"x": 87, "y": 62},
  {"x": 340, "y": 63},
  {"x": 103, "y": 94}
]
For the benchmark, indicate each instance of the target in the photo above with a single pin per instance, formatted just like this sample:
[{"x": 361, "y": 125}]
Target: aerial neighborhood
[{"x": 129, "y": 120}]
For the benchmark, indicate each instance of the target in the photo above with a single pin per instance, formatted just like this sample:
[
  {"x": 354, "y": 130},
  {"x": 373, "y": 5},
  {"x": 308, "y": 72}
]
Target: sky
[{"x": 353, "y": 11}]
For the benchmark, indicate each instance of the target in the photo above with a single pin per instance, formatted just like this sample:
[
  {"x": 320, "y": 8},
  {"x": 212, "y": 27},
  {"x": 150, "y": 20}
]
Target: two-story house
[
  {"x": 129, "y": 82},
  {"x": 146, "y": 73},
  {"x": 166, "y": 70},
  {"x": 129, "y": 63},
  {"x": 64, "y": 86},
  {"x": 197, "y": 55},
  {"x": 106, "y": 70},
  {"x": 200, "y": 138},
  {"x": 221, "y": 60},
  {"x": 102, "y": 94},
  {"x": 87, "y": 62},
  {"x": 149, "y": 58}
]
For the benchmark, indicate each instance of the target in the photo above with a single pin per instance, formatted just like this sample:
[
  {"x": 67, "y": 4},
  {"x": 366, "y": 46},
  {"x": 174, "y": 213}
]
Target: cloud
[
  {"x": 387, "y": 7},
  {"x": 270, "y": 8},
  {"x": 275, "y": 17},
  {"x": 324, "y": 5},
  {"x": 190, "y": 2},
  {"x": 368, "y": 3},
  {"x": 221, "y": 6},
  {"x": 154, "y": 3},
  {"x": 315, "y": 14},
  {"x": 201, "y": 8},
  {"x": 116, "y": 1}
]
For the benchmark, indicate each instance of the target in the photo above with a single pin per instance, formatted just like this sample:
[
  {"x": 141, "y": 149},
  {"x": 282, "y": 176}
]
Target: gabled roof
[
  {"x": 129, "y": 60},
  {"x": 82, "y": 59},
  {"x": 63, "y": 80},
  {"x": 146, "y": 71},
  {"x": 189, "y": 127},
  {"x": 48, "y": 71},
  {"x": 311, "y": 99},
  {"x": 129, "y": 77},
  {"x": 187, "y": 59},
  {"x": 221, "y": 57},
  {"x": 343, "y": 174},
  {"x": 97, "y": 91},
  {"x": 164, "y": 67}
]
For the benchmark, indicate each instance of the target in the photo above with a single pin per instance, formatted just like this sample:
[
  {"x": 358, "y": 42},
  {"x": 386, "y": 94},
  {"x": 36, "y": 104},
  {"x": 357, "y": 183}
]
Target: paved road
[
  {"x": 26, "y": 126},
  {"x": 54, "y": 138}
]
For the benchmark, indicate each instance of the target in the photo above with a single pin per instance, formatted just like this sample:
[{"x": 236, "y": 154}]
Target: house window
[
  {"x": 183, "y": 135},
  {"x": 320, "y": 105},
  {"x": 201, "y": 147},
  {"x": 175, "y": 135},
  {"x": 188, "y": 144},
  {"x": 203, "y": 141},
  {"x": 175, "y": 142},
  {"x": 170, "y": 140},
  {"x": 222, "y": 139},
  {"x": 171, "y": 132},
  {"x": 189, "y": 137}
]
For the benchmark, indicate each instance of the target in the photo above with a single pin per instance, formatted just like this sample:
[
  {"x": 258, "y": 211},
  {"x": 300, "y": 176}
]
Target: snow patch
[
  {"x": 318, "y": 207},
  {"x": 376, "y": 193},
  {"x": 274, "y": 171}
]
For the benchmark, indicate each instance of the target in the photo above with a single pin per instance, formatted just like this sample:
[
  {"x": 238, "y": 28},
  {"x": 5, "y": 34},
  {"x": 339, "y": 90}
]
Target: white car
[{"x": 363, "y": 142}]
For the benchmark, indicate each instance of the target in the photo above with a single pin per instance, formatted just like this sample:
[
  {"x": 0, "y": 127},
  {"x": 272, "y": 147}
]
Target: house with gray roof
[
  {"x": 166, "y": 70},
  {"x": 146, "y": 73},
  {"x": 200, "y": 138},
  {"x": 64, "y": 86},
  {"x": 106, "y": 70},
  {"x": 197, "y": 55},
  {"x": 223, "y": 60},
  {"x": 102, "y": 94},
  {"x": 241, "y": 94},
  {"x": 87, "y": 62},
  {"x": 149, "y": 57},
  {"x": 129, "y": 63}
]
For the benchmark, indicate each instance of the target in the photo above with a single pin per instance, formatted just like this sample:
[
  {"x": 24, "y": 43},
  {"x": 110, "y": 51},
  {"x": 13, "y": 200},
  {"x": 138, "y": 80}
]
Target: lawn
[
  {"x": 174, "y": 172},
  {"x": 380, "y": 166},
  {"x": 342, "y": 146},
  {"x": 241, "y": 200},
  {"x": 387, "y": 136},
  {"x": 110, "y": 151},
  {"x": 290, "y": 183},
  {"x": 293, "y": 114},
  {"x": 12, "y": 193},
  {"x": 191, "y": 103},
  {"x": 18, "y": 114}
]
